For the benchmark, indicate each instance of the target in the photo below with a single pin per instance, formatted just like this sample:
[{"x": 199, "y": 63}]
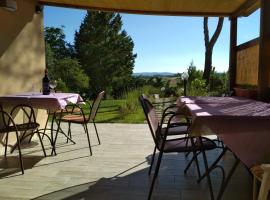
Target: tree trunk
[
  {"x": 208, "y": 65},
  {"x": 209, "y": 45}
]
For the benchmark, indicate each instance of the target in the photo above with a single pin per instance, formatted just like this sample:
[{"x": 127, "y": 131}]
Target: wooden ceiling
[{"x": 229, "y": 8}]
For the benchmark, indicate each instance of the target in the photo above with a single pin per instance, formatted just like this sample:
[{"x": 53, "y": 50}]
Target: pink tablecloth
[
  {"x": 37, "y": 100},
  {"x": 243, "y": 126},
  {"x": 211, "y": 100}
]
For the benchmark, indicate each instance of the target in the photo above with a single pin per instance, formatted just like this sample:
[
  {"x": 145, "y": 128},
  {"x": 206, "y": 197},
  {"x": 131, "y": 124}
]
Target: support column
[
  {"x": 264, "y": 52},
  {"x": 233, "y": 61}
]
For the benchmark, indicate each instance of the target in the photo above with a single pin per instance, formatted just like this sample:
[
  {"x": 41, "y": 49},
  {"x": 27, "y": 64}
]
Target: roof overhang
[{"x": 226, "y": 8}]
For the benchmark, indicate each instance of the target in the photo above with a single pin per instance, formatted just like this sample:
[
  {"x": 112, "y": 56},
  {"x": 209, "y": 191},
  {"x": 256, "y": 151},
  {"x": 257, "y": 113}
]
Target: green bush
[
  {"x": 197, "y": 88},
  {"x": 131, "y": 98}
]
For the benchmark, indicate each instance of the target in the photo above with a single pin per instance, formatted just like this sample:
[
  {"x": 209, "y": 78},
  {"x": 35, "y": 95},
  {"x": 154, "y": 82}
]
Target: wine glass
[{"x": 53, "y": 84}]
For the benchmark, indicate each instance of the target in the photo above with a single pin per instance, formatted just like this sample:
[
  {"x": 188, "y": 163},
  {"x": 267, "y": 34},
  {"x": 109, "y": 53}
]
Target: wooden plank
[
  {"x": 248, "y": 44},
  {"x": 233, "y": 42},
  {"x": 247, "y": 65},
  {"x": 264, "y": 54}
]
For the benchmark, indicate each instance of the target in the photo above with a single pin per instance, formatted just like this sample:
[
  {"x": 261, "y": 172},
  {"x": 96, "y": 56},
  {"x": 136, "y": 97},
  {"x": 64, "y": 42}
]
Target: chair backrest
[
  {"x": 95, "y": 105},
  {"x": 6, "y": 121},
  {"x": 27, "y": 113},
  {"x": 151, "y": 117}
]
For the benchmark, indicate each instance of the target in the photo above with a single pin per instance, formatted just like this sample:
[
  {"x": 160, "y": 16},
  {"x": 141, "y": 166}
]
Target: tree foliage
[
  {"x": 61, "y": 64},
  {"x": 55, "y": 37},
  {"x": 72, "y": 74},
  {"x": 105, "y": 52},
  {"x": 193, "y": 73}
]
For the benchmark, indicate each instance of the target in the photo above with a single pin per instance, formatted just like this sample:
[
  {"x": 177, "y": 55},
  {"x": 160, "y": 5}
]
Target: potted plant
[{"x": 247, "y": 91}]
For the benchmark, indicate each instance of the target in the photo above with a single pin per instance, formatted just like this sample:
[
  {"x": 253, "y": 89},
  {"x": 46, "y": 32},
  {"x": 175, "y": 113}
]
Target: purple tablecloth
[
  {"x": 52, "y": 101},
  {"x": 244, "y": 126},
  {"x": 211, "y": 100}
]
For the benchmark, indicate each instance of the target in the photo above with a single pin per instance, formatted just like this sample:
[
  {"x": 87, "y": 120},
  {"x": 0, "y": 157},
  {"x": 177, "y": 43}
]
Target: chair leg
[
  {"x": 84, "y": 127},
  {"x": 20, "y": 154},
  {"x": 155, "y": 175},
  {"x": 197, "y": 163},
  {"x": 88, "y": 140},
  {"x": 96, "y": 132},
  {"x": 187, "y": 154},
  {"x": 207, "y": 171},
  {"x": 22, "y": 136},
  {"x": 6, "y": 144},
  {"x": 45, "y": 127},
  {"x": 195, "y": 157},
  {"x": 40, "y": 140},
  {"x": 69, "y": 131},
  {"x": 190, "y": 162},
  {"x": 152, "y": 161}
]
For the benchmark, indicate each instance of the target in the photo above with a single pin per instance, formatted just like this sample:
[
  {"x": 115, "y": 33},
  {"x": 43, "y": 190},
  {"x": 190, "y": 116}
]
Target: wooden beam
[
  {"x": 148, "y": 12},
  {"x": 264, "y": 52},
  {"x": 242, "y": 10},
  {"x": 233, "y": 47}
]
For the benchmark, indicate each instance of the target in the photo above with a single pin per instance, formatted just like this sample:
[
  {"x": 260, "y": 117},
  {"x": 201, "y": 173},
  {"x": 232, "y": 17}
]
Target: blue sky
[{"x": 165, "y": 43}]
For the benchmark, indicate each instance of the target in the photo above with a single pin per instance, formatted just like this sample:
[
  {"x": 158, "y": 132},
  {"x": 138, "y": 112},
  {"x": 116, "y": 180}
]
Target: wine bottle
[{"x": 46, "y": 83}]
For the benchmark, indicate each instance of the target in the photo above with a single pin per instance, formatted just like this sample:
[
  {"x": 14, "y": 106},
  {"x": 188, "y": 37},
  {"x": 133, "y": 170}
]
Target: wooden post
[
  {"x": 233, "y": 44},
  {"x": 264, "y": 52}
]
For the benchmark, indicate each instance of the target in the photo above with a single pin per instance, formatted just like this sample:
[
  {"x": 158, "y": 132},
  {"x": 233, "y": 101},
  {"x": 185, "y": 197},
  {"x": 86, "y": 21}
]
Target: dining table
[
  {"x": 52, "y": 103},
  {"x": 242, "y": 124}
]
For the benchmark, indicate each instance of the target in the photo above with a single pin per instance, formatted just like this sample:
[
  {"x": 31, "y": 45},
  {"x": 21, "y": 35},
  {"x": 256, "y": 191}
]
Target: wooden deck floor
[{"x": 116, "y": 171}]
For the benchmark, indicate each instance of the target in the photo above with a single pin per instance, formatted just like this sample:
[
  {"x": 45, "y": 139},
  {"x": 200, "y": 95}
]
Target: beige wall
[{"x": 22, "y": 52}]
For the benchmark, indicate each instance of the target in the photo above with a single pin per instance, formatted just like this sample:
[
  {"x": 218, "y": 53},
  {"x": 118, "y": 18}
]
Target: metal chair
[
  {"x": 23, "y": 129},
  {"x": 177, "y": 127},
  {"x": 164, "y": 145},
  {"x": 82, "y": 118}
]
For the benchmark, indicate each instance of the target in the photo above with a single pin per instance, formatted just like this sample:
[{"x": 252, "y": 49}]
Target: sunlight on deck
[{"x": 117, "y": 170}]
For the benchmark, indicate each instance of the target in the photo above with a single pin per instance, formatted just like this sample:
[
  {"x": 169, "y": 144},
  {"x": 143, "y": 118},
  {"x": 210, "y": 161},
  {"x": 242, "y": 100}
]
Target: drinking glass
[{"x": 53, "y": 84}]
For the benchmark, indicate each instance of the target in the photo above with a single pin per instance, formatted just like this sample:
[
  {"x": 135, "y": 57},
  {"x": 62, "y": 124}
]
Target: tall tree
[
  {"x": 55, "y": 37},
  {"x": 105, "y": 51},
  {"x": 61, "y": 64},
  {"x": 209, "y": 45}
]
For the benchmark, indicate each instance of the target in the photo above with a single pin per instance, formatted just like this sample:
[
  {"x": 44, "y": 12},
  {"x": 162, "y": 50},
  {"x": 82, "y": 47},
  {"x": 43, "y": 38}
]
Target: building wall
[{"x": 22, "y": 51}]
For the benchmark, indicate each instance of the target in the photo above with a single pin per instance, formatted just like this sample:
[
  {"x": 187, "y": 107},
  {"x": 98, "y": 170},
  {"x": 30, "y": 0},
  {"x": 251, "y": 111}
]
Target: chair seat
[
  {"x": 64, "y": 111},
  {"x": 20, "y": 127},
  {"x": 177, "y": 130},
  {"x": 185, "y": 145},
  {"x": 73, "y": 118}
]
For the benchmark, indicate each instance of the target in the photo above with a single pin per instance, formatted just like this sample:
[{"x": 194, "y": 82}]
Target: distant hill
[{"x": 154, "y": 74}]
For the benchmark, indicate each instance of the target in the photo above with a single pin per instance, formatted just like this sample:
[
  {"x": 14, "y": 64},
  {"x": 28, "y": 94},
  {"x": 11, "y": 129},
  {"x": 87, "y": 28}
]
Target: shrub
[
  {"x": 131, "y": 98},
  {"x": 197, "y": 88}
]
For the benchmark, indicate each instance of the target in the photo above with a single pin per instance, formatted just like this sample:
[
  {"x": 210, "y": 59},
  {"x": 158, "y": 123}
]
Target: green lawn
[{"x": 109, "y": 112}]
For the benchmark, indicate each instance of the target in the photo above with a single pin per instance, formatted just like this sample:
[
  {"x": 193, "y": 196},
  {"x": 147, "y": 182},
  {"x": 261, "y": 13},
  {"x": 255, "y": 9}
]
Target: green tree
[
  {"x": 71, "y": 73},
  {"x": 55, "y": 37},
  {"x": 105, "y": 51},
  {"x": 61, "y": 64},
  {"x": 50, "y": 59},
  {"x": 193, "y": 73}
]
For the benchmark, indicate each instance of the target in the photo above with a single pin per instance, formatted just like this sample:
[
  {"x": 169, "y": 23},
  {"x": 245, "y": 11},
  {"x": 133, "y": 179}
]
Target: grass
[{"x": 110, "y": 112}]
